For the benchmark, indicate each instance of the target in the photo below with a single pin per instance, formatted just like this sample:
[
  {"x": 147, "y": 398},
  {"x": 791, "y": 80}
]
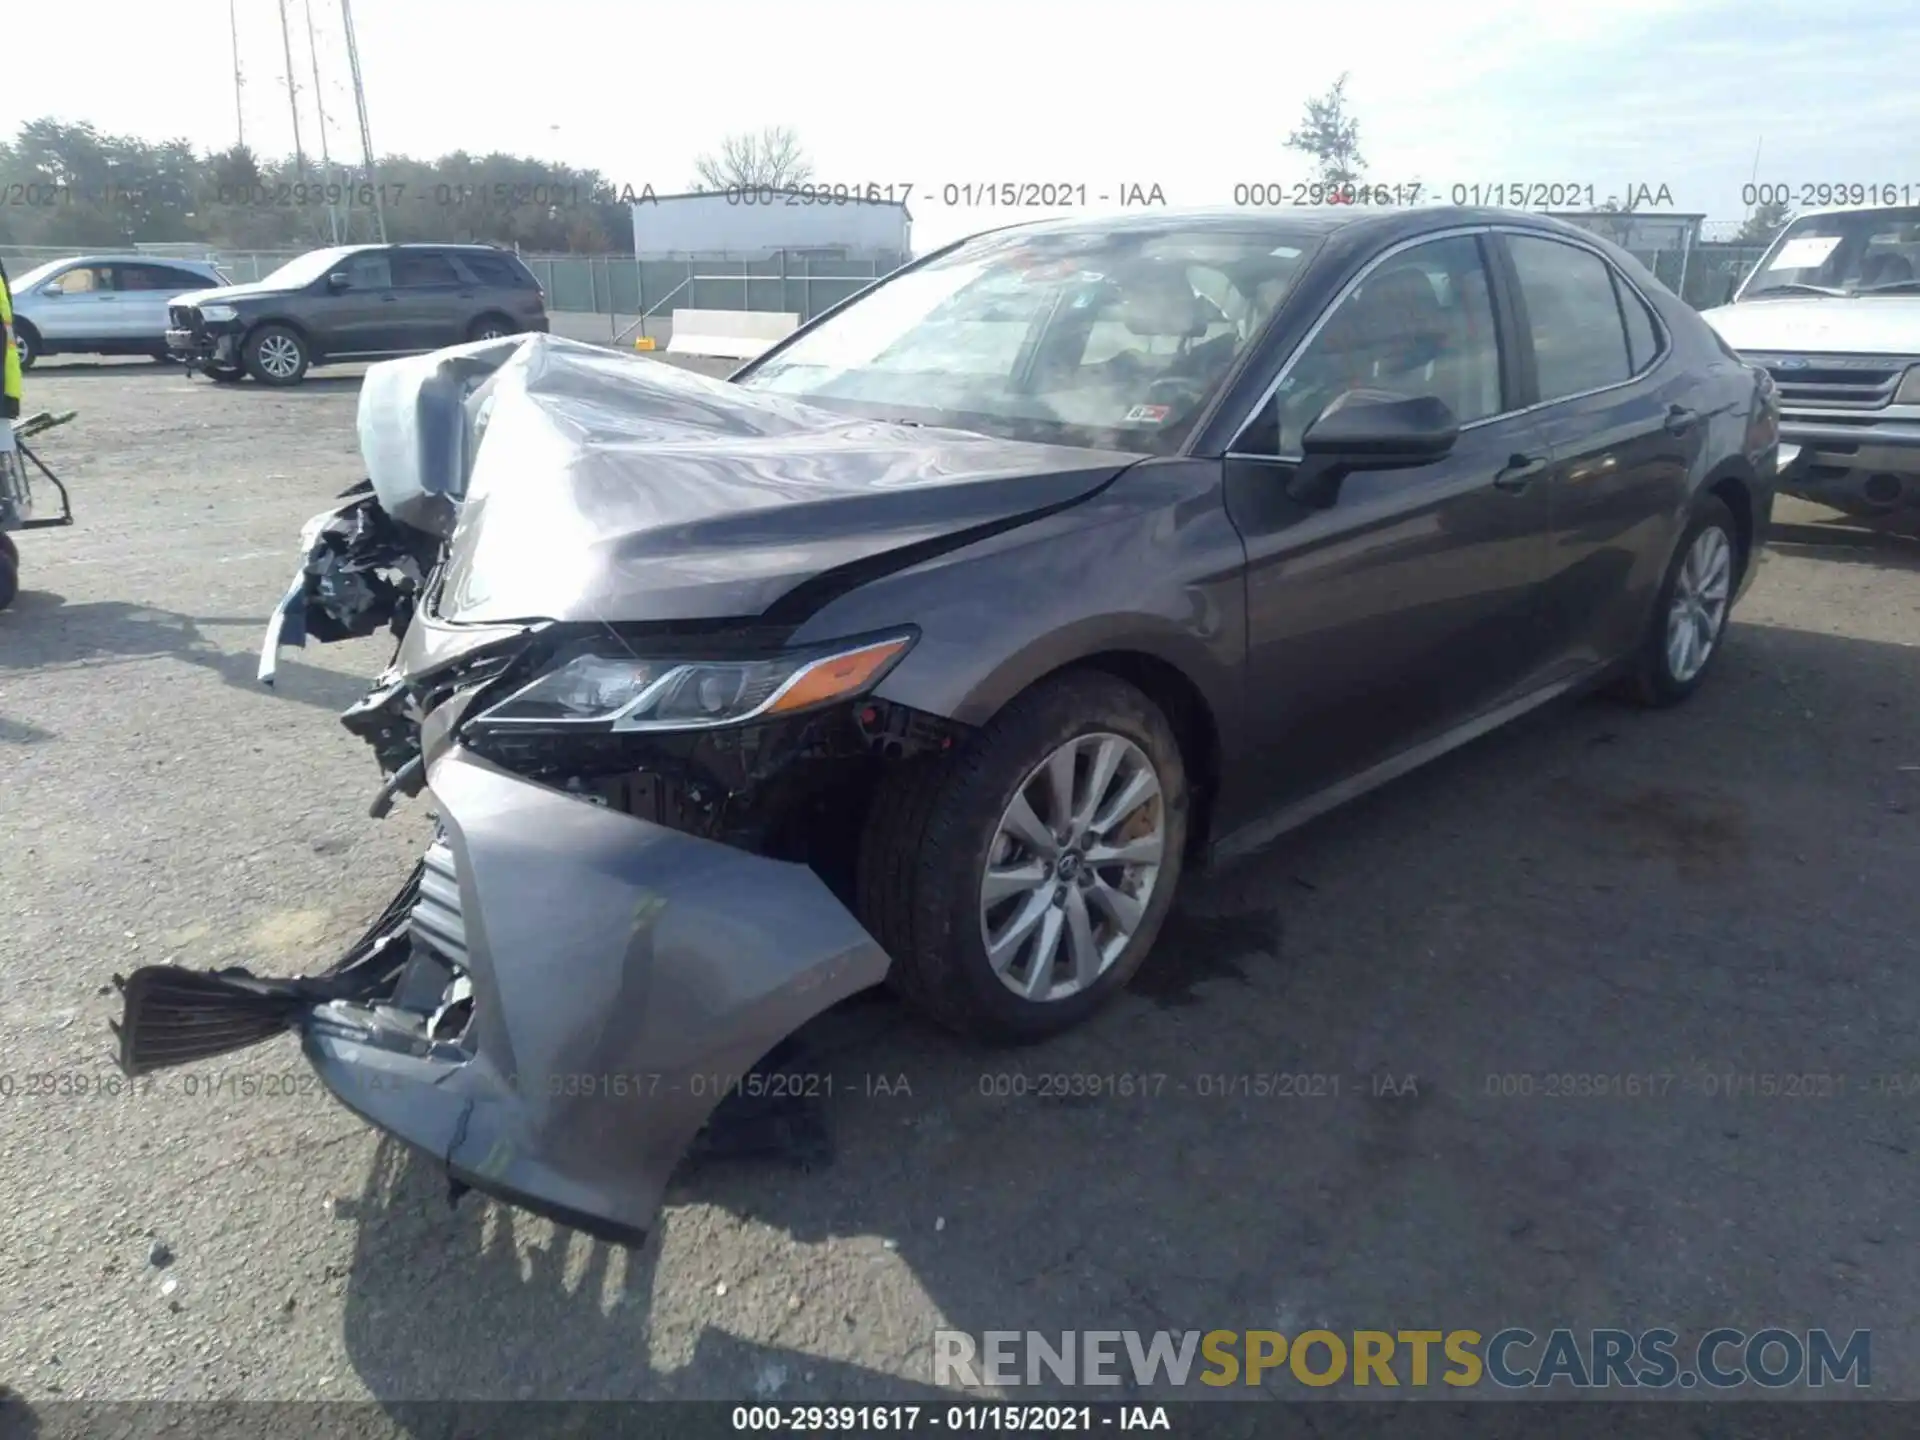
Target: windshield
[
  {"x": 1106, "y": 339},
  {"x": 305, "y": 269},
  {"x": 1854, "y": 252}
]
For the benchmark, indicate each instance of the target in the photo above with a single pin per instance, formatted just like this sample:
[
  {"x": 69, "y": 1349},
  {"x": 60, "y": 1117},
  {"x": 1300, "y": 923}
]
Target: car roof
[
  {"x": 1847, "y": 210},
  {"x": 110, "y": 257},
  {"x": 1383, "y": 223}
]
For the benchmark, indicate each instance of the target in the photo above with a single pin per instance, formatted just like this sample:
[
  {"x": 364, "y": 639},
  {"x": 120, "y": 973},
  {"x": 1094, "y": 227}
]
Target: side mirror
[
  {"x": 1370, "y": 430},
  {"x": 337, "y": 280},
  {"x": 53, "y": 287}
]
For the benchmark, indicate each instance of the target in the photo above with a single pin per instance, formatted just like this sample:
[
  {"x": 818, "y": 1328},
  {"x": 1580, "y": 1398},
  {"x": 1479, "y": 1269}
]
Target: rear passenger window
[
  {"x": 1643, "y": 341},
  {"x": 1579, "y": 339},
  {"x": 497, "y": 270},
  {"x": 416, "y": 268}
]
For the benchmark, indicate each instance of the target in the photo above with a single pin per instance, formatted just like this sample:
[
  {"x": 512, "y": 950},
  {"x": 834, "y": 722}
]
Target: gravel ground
[{"x": 1725, "y": 889}]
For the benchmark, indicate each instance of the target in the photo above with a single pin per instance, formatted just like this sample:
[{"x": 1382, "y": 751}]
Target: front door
[
  {"x": 363, "y": 318},
  {"x": 1410, "y": 604},
  {"x": 80, "y": 304}
]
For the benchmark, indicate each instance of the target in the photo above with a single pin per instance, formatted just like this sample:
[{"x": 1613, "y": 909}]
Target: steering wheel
[{"x": 1177, "y": 391}]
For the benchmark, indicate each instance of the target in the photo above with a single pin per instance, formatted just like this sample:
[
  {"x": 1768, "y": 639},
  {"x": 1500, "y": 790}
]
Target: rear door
[
  {"x": 1408, "y": 606},
  {"x": 145, "y": 291},
  {"x": 435, "y": 303},
  {"x": 1624, "y": 427}
]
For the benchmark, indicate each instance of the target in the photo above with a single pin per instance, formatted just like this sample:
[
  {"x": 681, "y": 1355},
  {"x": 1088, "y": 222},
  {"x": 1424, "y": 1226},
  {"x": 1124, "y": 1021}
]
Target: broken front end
[{"x": 569, "y": 983}]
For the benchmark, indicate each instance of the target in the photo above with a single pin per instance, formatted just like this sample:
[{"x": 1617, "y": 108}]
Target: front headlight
[
  {"x": 1909, "y": 391},
  {"x": 217, "y": 312},
  {"x": 625, "y": 692}
]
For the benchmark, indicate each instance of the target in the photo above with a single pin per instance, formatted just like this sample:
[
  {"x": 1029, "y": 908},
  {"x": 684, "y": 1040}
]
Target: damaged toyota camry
[{"x": 936, "y": 643}]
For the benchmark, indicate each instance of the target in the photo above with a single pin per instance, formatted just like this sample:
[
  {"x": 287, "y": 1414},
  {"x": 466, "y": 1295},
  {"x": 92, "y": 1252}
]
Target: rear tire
[
  {"x": 1669, "y": 666},
  {"x": 937, "y": 826},
  {"x": 491, "y": 327},
  {"x": 26, "y": 343},
  {"x": 276, "y": 355}
]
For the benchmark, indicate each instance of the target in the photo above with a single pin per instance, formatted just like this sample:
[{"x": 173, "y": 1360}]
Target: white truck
[{"x": 1832, "y": 310}]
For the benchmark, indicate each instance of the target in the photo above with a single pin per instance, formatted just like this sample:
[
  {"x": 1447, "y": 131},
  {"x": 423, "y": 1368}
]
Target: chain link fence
[{"x": 804, "y": 284}]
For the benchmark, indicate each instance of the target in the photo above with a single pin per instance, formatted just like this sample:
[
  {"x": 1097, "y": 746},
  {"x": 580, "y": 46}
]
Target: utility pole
[
  {"x": 360, "y": 108},
  {"x": 293, "y": 104},
  {"x": 320, "y": 104},
  {"x": 239, "y": 111}
]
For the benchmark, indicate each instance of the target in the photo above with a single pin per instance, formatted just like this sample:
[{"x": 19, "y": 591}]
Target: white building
[{"x": 752, "y": 224}]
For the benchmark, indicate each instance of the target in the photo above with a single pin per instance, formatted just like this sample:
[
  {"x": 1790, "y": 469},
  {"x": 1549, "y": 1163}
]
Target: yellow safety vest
[{"x": 10, "y": 392}]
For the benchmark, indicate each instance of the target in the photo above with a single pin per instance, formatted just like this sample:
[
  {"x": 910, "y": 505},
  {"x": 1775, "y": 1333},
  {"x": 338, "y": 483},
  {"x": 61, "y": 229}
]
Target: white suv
[
  {"x": 102, "y": 304},
  {"x": 1833, "y": 312}
]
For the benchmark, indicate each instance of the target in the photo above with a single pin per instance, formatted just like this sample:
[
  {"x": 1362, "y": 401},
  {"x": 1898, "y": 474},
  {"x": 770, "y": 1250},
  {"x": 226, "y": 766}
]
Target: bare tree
[
  {"x": 1331, "y": 136},
  {"x": 773, "y": 157}
]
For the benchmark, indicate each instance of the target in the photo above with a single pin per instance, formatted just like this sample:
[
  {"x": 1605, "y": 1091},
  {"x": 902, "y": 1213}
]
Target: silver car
[{"x": 102, "y": 304}]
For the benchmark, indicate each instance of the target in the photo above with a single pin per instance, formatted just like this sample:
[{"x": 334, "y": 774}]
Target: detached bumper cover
[{"x": 624, "y": 977}]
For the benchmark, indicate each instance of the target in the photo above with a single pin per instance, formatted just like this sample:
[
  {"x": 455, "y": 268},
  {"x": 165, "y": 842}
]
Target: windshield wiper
[
  {"x": 1892, "y": 287},
  {"x": 1796, "y": 287}
]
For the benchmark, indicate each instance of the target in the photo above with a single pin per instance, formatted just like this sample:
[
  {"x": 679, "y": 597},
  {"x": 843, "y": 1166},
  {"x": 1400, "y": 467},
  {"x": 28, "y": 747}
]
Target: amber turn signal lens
[{"x": 837, "y": 676}]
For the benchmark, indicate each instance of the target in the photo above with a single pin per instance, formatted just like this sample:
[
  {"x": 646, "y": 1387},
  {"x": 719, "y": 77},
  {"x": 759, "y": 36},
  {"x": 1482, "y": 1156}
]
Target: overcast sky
[{"x": 1196, "y": 96}]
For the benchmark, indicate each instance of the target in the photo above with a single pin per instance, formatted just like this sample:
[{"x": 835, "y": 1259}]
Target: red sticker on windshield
[{"x": 1148, "y": 414}]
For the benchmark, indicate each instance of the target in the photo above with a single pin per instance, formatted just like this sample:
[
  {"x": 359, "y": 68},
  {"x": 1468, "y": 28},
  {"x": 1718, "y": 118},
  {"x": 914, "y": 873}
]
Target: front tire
[
  {"x": 1688, "y": 626},
  {"x": 26, "y": 344},
  {"x": 277, "y": 355},
  {"x": 1019, "y": 884}
]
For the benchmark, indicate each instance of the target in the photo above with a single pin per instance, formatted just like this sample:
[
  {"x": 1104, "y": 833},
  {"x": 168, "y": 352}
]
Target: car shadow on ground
[
  {"x": 1286, "y": 1120},
  {"x": 41, "y": 630},
  {"x": 1850, "y": 543}
]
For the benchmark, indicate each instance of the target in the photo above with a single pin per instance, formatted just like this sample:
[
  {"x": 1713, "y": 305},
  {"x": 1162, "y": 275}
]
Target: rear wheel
[
  {"x": 1690, "y": 618},
  {"x": 491, "y": 327},
  {"x": 26, "y": 344},
  {"x": 1020, "y": 883},
  {"x": 276, "y": 355}
]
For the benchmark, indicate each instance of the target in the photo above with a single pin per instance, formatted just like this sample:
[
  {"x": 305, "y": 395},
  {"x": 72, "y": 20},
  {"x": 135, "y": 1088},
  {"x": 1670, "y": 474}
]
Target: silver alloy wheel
[
  {"x": 1699, "y": 605},
  {"x": 1072, "y": 867},
  {"x": 279, "y": 356},
  {"x": 23, "y": 348},
  {"x": 491, "y": 331}
]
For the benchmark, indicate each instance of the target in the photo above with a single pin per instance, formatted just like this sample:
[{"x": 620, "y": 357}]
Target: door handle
[
  {"x": 1519, "y": 472},
  {"x": 1680, "y": 420}
]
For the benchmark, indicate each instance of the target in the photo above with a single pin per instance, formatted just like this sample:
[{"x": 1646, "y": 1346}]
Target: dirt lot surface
[{"x": 1696, "y": 897}]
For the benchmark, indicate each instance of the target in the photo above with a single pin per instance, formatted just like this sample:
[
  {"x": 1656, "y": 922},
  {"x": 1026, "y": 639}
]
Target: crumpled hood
[
  {"x": 1869, "y": 325},
  {"x": 605, "y": 486}
]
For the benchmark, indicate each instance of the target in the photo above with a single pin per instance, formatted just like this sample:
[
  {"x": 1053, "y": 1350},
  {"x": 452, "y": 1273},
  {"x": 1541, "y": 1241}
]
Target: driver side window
[
  {"x": 1420, "y": 324},
  {"x": 369, "y": 272}
]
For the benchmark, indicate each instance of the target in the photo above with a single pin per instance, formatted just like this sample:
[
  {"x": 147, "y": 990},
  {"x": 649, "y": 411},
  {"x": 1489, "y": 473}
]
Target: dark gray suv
[{"x": 354, "y": 302}]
